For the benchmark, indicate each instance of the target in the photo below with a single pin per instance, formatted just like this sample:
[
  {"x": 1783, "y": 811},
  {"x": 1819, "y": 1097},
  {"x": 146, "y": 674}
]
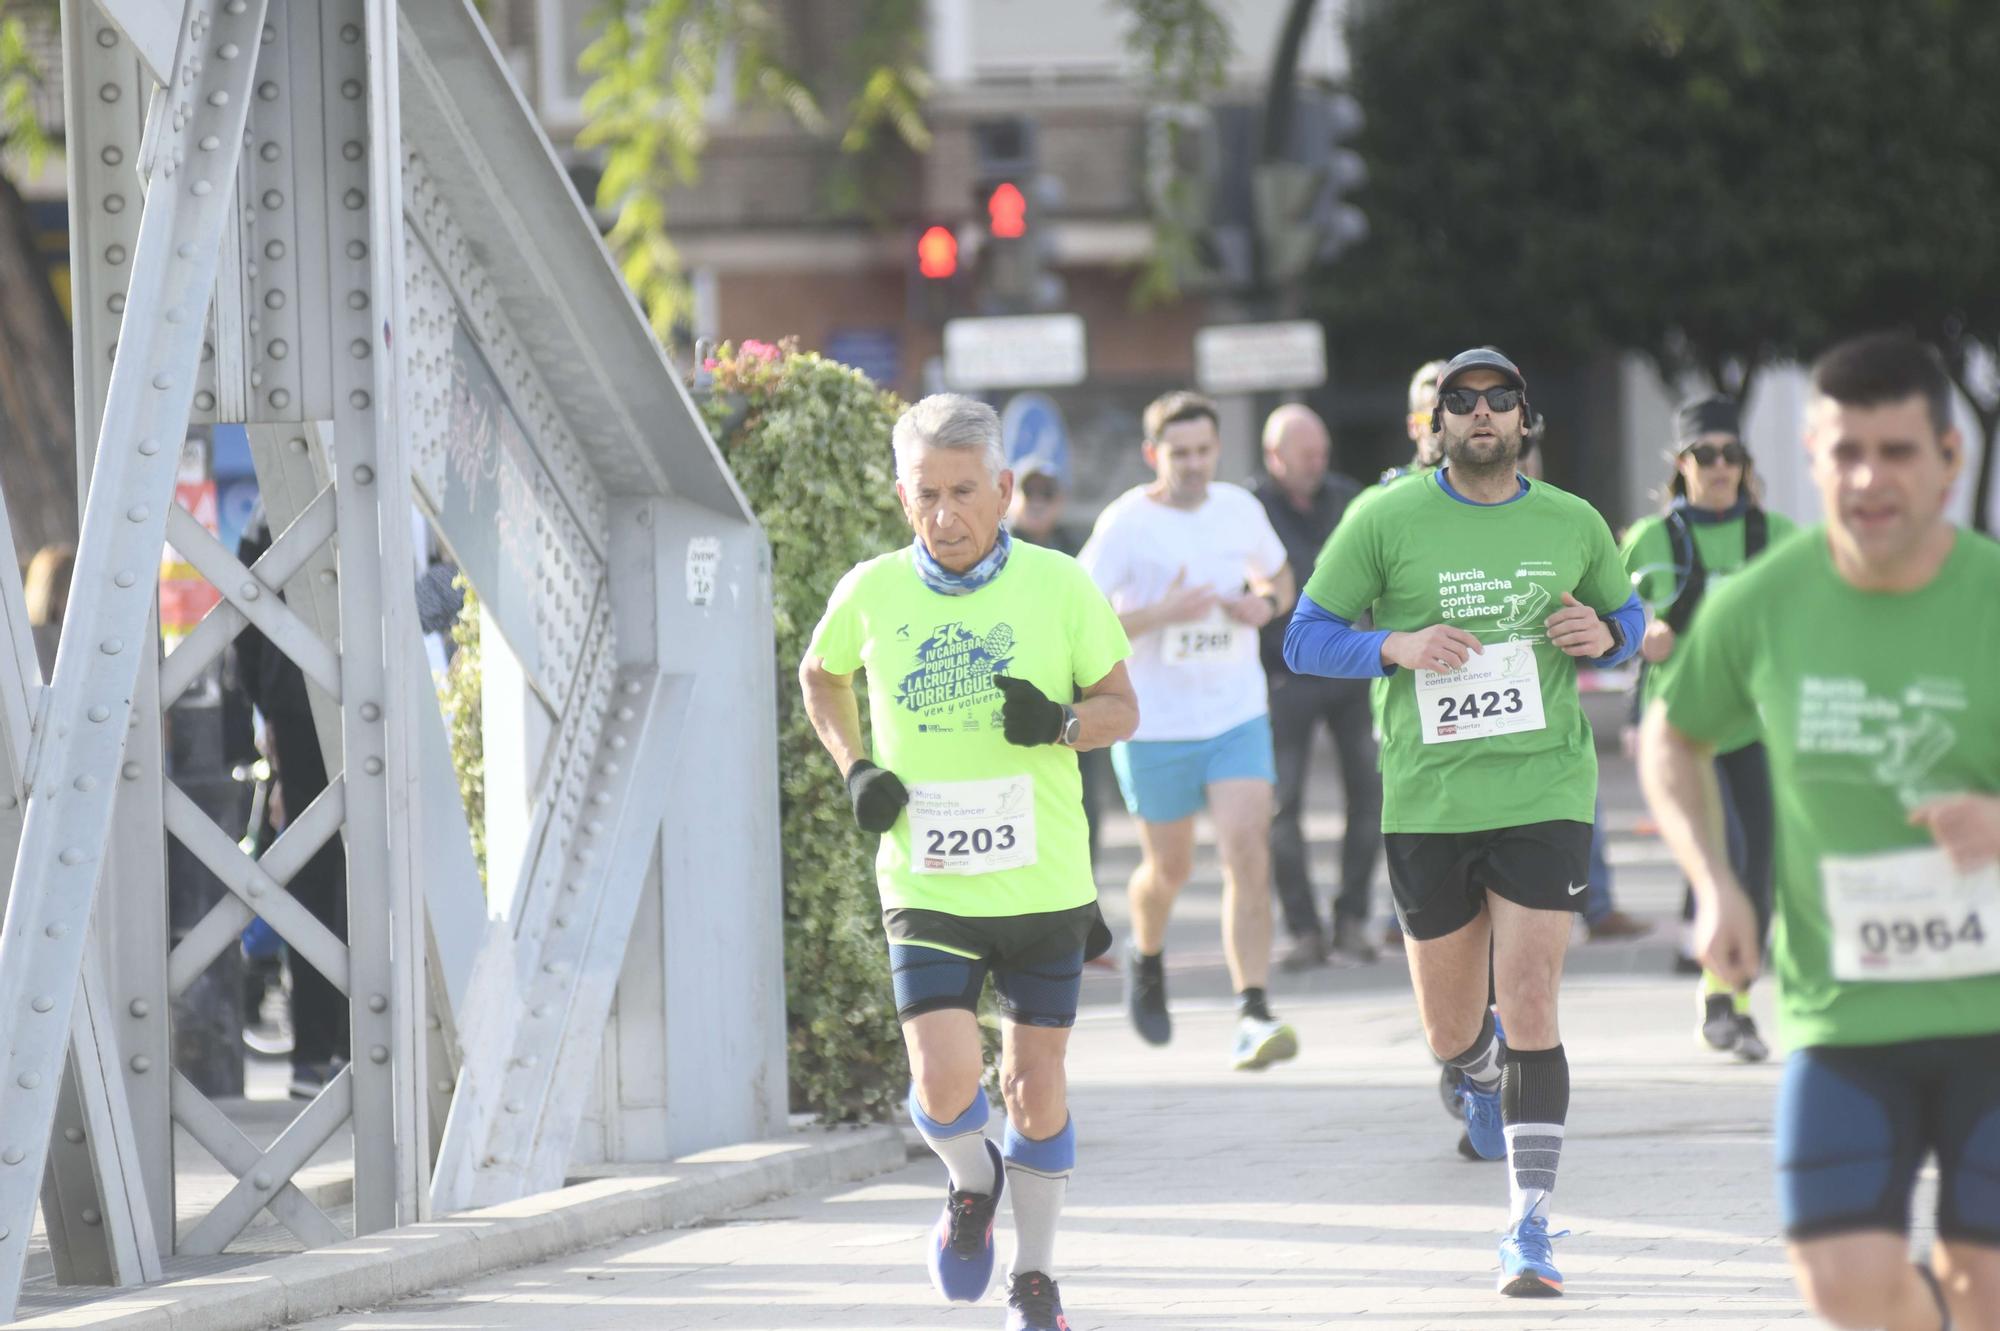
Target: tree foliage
[
  {"x": 808, "y": 440},
  {"x": 655, "y": 68},
  {"x": 1714, "y": 183}
]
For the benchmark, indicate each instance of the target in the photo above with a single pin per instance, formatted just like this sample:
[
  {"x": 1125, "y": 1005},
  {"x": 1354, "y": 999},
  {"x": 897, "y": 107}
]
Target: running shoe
[
  {"x": 1449, "y": 1080},
  {"x": 1483, "y": 1126},
  {"x": 960, "y": 1247},
  {"x": 1307, "y": 953},
  {"x": 1470, "y": 1152},
  {"x": 1350, "y": 941},
  {"x": 1750, "y": 1046},
  {"x": 1527, "y": 1264},
  {"x": 1718, "y": 1027},
  {"x": 1034, "y": 1304},
  {"x": 1146, "y": 1000},
  {"x": 1262, "y": 1041}
]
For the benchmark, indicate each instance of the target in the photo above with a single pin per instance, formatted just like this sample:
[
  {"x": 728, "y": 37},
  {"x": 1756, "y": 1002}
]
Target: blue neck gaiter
[{"x": 946, "y": 583}]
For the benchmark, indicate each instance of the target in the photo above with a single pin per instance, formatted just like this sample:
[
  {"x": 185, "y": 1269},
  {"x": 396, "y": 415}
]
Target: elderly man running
[{"x": 990, "y": 664}]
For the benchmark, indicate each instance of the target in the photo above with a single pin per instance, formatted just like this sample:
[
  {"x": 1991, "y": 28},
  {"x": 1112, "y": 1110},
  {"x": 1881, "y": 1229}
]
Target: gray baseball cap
[{"x": 1481, "y": 358}]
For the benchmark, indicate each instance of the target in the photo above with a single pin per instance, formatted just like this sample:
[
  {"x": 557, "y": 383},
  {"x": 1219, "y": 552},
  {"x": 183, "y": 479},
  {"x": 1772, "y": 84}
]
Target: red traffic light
[
  {"x": 937, "y": 253},
  {"x": 1007, "y": 211}
]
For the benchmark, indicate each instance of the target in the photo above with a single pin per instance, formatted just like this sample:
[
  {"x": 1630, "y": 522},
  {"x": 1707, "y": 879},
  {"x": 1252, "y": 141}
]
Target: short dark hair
[
  {"x": 1879, "y": 368},
  {"x": 1175, "y": 407}
]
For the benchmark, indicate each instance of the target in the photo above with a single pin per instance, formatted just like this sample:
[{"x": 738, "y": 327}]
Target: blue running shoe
[
  {"x": 1527, "y": 1266},
  {"x": 1034, "y": 1304},
  {"x": 1483, "y": 1127},
  {"x": 960, "y": 1249}
]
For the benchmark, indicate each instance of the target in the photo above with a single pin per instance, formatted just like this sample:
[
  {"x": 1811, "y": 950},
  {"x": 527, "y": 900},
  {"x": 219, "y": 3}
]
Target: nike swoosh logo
[{"x": 1578, "y": 887}]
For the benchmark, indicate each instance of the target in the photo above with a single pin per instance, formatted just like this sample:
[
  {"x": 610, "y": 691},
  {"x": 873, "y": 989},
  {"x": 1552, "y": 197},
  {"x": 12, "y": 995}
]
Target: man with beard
[{"x": 1486, "y": 590}]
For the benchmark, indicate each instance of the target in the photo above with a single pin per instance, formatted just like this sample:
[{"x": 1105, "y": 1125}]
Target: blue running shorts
[
  {"x": 1166, "y": 780},
  {"x": 1856, "y": 1122}
]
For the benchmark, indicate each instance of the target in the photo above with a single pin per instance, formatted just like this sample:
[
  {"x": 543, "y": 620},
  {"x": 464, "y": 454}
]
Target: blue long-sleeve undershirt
[{"x": 1319, "y": 642}]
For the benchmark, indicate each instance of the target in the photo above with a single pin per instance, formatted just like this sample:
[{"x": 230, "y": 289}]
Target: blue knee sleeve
[
  {"x": 1052, "y": 1155},
  {"x": 972, "y": 1120}
]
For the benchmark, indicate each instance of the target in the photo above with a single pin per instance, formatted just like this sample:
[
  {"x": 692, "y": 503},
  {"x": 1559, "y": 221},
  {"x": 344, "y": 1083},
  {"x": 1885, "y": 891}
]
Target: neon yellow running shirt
[{"x": 934, "y": 715}]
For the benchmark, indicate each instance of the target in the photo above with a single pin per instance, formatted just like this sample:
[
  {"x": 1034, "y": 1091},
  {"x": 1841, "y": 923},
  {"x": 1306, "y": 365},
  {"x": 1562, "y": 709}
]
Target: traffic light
[
  {"x": 934, "y": 280},
  {"x": 1303, "y": 216},
  {"x": 937, "y": 254},
  {"x": 1007, "y": 211},
  {"x": 1011, "y": 196}
]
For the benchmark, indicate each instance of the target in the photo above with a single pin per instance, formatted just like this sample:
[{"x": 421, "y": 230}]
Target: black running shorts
[{"x": 1440, "y": 879}]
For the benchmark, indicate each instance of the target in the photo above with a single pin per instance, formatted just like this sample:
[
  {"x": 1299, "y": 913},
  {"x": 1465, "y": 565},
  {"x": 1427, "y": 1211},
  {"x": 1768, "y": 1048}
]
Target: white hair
[{"x": 948, "y": 420}]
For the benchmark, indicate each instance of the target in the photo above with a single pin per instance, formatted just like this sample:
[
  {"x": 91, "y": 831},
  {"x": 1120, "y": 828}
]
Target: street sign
[
  {"x": 1014, "y": 351},
  {"x": 1032, "y": 429},
  {"x": 1255, "y": 358}
]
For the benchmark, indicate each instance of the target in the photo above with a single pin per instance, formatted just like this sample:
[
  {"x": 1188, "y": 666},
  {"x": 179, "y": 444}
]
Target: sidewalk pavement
[
  {"x": 1327, "y": 1192},
  {"x": 1324, "y": 1193}
]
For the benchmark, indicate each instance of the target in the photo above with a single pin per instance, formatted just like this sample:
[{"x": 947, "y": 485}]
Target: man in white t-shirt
[{"x": 1194, "y": 570}]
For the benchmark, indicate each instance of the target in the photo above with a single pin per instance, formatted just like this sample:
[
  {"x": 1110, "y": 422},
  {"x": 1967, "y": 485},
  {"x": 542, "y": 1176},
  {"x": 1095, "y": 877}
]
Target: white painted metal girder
[{"x": 74, "y": 765}]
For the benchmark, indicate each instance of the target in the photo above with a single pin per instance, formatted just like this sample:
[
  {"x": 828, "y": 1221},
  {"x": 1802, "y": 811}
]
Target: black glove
[
  {"x": 1028, "y": 716},
  {"x": 878, "y": 796}
]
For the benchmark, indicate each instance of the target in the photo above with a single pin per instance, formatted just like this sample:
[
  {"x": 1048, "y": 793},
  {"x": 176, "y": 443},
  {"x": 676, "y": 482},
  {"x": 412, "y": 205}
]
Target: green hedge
[{"x": 808, "y": 440}]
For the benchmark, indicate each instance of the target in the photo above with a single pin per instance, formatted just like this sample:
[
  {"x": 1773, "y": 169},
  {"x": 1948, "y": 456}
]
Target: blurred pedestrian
[
  {"x": 1713, "y": 528},
  {"x": 1305, "y": 501},
  {"x": 277, "y": 688},
  {"x": 1194, "y": 570},
  {"x": 1035, "y": 515},
  {"x": 46, "y": 591}
]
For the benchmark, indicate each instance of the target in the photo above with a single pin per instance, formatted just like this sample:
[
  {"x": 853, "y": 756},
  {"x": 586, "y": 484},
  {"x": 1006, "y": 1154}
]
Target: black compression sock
[{"x": 1251, "y": 1004}]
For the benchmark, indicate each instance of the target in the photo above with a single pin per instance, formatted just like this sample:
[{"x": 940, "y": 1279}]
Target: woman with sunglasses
[{"x": 1712, "y": 528}]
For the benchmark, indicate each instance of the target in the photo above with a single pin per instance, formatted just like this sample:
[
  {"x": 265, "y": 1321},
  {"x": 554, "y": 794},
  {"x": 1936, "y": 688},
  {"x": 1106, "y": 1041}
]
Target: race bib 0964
[{"x": 1909, "y": 915}]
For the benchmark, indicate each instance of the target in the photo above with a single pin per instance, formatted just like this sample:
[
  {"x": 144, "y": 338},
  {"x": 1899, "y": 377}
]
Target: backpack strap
[
  {"x": 1686, "y": 556},
  {"x": 1756, "y": 533}
]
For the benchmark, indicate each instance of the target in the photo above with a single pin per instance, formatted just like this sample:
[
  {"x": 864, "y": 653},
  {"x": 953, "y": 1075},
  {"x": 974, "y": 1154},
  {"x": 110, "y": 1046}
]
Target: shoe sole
[
  {"x": 1278, "y": 1046},
  {"x": 1750, "y": 1055},
  {"x": 1527, "y": 1285}
]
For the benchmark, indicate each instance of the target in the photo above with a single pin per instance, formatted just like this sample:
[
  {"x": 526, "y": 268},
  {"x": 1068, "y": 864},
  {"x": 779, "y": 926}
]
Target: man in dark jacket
[{"x": 1305, "y": 502}]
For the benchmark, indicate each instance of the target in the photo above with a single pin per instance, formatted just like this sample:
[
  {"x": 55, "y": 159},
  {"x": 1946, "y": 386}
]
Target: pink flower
[{"x": 761, "y": 350}]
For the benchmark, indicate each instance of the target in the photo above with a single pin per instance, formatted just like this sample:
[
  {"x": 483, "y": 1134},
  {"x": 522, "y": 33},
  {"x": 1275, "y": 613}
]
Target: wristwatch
[{"x": 1072, "y": 728}]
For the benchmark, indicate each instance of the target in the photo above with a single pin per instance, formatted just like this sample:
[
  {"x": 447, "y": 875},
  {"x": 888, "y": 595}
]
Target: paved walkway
[
  {"x": 1323, "y": 1194},
  {"x": 1326, "y": 1193}
]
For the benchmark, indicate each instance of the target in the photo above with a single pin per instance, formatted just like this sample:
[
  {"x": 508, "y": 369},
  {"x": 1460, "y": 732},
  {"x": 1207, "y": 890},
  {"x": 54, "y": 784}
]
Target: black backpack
[{"x": 1756, "y": 531}]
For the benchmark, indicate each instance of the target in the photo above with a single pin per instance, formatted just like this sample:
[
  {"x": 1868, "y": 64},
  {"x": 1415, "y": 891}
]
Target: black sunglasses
[
  {"x": 1462, "y": 401},
  {"x": 1707, "y": 455}
]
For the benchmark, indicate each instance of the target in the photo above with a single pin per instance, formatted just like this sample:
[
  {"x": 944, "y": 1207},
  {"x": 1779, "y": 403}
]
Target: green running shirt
[
  {"x": 1416, "y": 556},
  {"x": 1869, "y": 704},
  {"x": 1649, "y": 560},
  {"x": 934, "y": 717}
]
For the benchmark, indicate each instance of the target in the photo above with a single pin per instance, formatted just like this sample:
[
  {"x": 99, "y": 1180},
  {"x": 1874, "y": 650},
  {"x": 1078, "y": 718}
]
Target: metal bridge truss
[{"x": 335, "y": 222}]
